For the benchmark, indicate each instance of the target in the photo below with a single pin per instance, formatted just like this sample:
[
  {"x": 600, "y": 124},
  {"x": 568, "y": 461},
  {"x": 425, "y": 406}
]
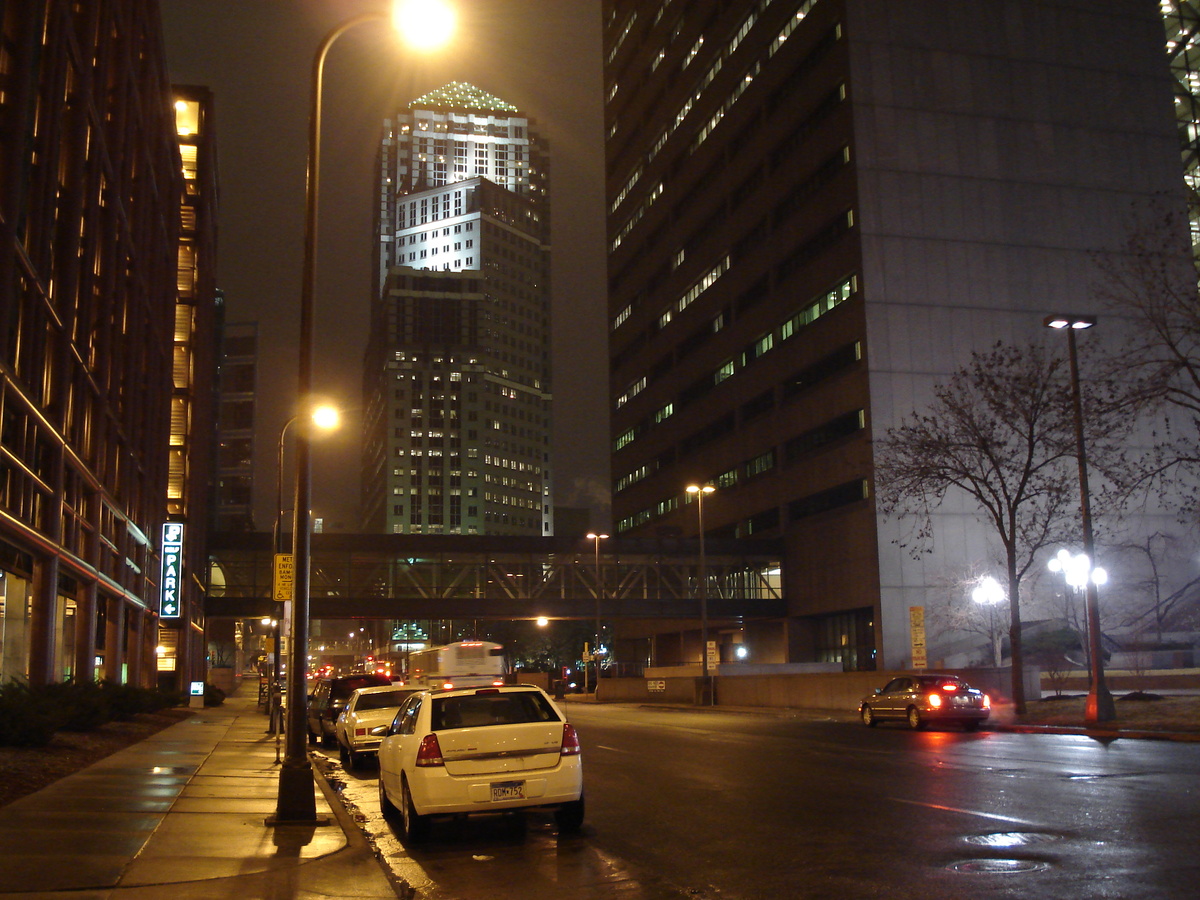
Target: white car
[
  {"x": 362, "y": 724},
  {"x": 484, "y": 749}
]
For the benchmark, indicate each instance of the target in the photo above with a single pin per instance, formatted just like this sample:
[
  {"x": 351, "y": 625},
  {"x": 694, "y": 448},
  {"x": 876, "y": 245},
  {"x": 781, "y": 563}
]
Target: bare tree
[
  {"x": 1158, "y": 607},
  {"x": 1152, "y": 287},
  {"x": 1000, "y": 431}
]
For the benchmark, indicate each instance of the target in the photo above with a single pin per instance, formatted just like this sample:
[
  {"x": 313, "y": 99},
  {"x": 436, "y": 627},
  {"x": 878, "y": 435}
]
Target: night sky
[{"x": 256, "y": 56}]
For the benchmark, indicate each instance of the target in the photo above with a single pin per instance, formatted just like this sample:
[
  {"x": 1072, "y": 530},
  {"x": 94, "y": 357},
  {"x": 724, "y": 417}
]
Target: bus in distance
[{"x": 461, "y": 664}]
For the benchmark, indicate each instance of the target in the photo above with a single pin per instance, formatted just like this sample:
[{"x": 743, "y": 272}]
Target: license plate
[{"x": 508, "y": 790}]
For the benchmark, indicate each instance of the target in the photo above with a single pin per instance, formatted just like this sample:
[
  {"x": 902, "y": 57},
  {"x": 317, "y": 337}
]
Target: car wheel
[
  {"x": 914, "y": 719},
  {"x": 353, "y": 760},
  {"x": 569, "y": 816},
  {"x": 414, "y": 827},
  {"x": 386, "y": 806},
  {"x": 868, "y": 716},
  {"x": 344, "y": 756},
  {"x": 312, "y": 737}
]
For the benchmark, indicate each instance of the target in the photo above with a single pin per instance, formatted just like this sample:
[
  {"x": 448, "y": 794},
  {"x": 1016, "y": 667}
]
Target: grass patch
[{"x": 1138, "y": 713}]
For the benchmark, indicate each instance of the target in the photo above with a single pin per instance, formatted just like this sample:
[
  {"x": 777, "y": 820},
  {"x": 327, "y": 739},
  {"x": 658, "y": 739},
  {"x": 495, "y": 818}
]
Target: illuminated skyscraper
[
  {"x": 817, "y": 210},
  {"x": 456, "y": 381}
]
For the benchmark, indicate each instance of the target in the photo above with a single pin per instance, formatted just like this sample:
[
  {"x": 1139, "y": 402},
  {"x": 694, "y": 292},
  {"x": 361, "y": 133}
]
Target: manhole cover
[
  {"x": 997, "y": 866},
  {"x": 1011, "y": 839}
]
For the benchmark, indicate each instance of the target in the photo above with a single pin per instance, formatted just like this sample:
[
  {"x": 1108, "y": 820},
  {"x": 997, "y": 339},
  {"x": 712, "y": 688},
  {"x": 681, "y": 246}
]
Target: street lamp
[
  {"x": 596, "y": 539},
  {"x": 701, "y": 492},
  {"x": 1077, "y": 571},
  {"x": 989, "y": 593},
  {"x": 296, "y": 801},
  {"x": 1099, "y": 707},
  {"x": 325, "y": 417}
]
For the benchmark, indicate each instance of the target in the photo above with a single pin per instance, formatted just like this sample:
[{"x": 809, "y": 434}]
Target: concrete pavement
[{"x": 182, "y": 815}]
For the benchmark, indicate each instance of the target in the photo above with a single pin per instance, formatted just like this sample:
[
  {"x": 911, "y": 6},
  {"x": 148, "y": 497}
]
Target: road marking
[
  {"x": 965, "y": 812},
  {"x": 613, "y": 749}
]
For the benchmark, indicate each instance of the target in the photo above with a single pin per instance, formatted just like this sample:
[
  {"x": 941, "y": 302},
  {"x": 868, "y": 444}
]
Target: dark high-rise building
[
  {"x": 235, "y": 458},
  {"x": 456, "y": 380},
  {"x": 105, "y": 348},
  {"x": 816, "y": 210}
]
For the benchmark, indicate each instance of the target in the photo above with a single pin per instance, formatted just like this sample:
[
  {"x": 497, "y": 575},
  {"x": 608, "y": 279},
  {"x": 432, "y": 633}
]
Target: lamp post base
[
  {"x": 1099, "y": 707},
  {"x": 296, "y": 804}
]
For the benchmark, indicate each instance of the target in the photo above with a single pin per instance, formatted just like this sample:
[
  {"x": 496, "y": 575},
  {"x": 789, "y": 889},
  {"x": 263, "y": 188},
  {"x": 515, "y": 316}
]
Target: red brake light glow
[
  {"x": 430, "y": 752},
  {"x": 570, "y": 741},
  {"x": 935, "y": 700},
  {"x": 949, "y": 686},
  {"x": 987, "y": 702},
  {"x": 448, "y": 686}
]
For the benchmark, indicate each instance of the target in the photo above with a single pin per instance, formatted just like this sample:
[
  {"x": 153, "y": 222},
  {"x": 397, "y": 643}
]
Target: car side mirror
[{"x": 879, "y": 690}]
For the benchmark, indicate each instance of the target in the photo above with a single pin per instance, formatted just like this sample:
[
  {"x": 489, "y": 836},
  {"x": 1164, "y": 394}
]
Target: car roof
[{"x": 383, "y": 689}]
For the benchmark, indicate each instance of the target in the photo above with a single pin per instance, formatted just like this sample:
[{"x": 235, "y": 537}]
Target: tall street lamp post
[
  {"x": 1099, "y": 707},
  {"x": 296, "y": 802},
  {"x": 326, "y": 418},
  {"x": 596, "y": 539},
  {"x": 701, "y": 491}
]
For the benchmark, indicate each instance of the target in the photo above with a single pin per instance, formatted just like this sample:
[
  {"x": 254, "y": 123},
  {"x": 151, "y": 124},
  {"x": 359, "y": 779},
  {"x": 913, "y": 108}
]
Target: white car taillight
[
  {"x": 570, "y": 741},
  {"x": 430, "y": 752}
]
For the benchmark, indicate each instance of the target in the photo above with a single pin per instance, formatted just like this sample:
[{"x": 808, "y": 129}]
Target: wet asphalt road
[{"x": 701, "y": 804}]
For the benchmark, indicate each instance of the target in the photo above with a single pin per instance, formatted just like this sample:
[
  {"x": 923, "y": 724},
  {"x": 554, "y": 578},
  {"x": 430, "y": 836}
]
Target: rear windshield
[
  {"x": 475, "y": 710},
  {"x": 344, "y": 687},
  {"x": 935, "y": 683},
  {"x": 382, "y": 699}
]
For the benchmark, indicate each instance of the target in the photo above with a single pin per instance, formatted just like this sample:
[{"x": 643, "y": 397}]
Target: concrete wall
[{"x": 824, "y": 690}]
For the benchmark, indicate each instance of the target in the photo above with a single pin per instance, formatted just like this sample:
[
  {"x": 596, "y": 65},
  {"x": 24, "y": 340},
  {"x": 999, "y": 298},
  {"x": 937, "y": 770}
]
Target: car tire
[
  {"x": 915, "y": 721},
  {"x": 569, "y": 816},
  {"x": 386, "y": 807},
  {"x": 868, "y": 716},
  {"x": 413, "y": 826}
]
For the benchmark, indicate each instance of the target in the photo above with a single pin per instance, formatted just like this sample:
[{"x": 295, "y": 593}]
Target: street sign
[
  {"x": 713, "y": 656},
  {"x": 284, "y": 576},
  {"x": 916, "y": 625}
]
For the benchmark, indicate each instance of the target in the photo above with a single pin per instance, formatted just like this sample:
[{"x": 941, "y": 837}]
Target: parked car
[
  {"x": 365, "y": 720},
  {"x": 328, "y": 698},
  {"x": 921, "y": 699},
  {"x": 483, "y": 749}
]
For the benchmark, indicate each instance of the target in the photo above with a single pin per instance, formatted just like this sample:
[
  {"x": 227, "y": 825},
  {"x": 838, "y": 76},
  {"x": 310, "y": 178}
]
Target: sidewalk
[{"x": 181, "y": 815}]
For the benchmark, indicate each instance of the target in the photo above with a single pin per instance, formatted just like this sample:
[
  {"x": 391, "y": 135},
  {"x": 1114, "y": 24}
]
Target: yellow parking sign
[{"x": 284, "y": 576}]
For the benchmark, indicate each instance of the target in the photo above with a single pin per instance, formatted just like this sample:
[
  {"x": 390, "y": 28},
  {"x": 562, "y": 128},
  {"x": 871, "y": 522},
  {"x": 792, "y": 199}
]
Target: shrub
[
  {"x": 84, "y": 706},
  {"x": 213, "y": 695},
  {"x": 26, "y": 719}
]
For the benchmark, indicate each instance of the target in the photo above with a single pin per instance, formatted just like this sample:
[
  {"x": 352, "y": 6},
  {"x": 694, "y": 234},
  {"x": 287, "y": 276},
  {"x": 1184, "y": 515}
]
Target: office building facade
[
  {"x": 456, "y": 385},
  {"x": 104, "y": 349},
  {"x": 817, "y": 209}
]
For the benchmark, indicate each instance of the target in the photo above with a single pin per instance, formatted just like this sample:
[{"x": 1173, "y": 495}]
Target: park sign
[{"x": 172, "y": 570}]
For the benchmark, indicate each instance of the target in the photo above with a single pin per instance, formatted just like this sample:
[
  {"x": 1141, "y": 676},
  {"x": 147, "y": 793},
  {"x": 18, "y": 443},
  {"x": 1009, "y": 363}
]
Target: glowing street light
[
  {"x": 596, "y": 539},
  {"x": 702, "y": 491},
  {"x": 1099, "y": 707},
  {"x": 296, "y": 801},
  {"x": 989, "y": 593}
]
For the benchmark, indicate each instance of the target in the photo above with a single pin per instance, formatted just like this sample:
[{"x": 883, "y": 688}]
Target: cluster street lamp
[
  {"x": 1099, "y": 707},
  {"x": 989, "y": 593},
  {"x": 596, "y": 539},
  {"x": 425, "y": 23},
  {"x": 701, "y": 491}
]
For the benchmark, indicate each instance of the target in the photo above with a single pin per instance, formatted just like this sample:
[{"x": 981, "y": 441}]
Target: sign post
[{"x": 283, "y": 577}]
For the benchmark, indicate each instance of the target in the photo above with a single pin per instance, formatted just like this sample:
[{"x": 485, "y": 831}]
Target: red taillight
[
  {"x": 987, "y": 702},
  {"x": 934, "y": 700},
  {"x": 949, "y": 686},
  {"x": 447, "y": 685},
  {"x": 498, "y": 683},
  {"x": 360, "y": 732},
  {"x": 430, "y": 752},
  {"x": 570, "y": 741}
]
